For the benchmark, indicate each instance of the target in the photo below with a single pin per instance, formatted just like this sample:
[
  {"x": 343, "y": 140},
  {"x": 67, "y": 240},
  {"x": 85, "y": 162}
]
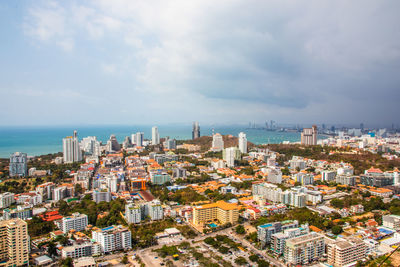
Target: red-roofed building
[
  {"x": 253, "y": 213},
  {"x": 51, "y": 216}
]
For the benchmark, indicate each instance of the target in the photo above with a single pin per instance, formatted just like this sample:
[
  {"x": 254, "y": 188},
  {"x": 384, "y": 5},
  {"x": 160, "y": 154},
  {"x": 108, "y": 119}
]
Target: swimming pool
[{"x": 212, "y": 225}]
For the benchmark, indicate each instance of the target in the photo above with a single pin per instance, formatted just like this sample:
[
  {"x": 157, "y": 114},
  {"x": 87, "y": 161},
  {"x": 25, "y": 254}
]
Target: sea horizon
[{"x": 41, "y": 140}]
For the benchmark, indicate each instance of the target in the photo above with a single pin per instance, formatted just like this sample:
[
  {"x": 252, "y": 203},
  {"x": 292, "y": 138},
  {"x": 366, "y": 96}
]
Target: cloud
[{"x": 295, "y": 60}]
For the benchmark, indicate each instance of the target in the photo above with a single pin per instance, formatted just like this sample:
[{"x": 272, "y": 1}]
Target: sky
[{"x": 159, "y": 62}]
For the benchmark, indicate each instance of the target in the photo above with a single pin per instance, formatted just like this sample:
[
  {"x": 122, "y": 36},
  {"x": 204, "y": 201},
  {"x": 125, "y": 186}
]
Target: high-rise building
[
  {"x": 113, "y": 238},
  {"x": 196, "y": 130},
  {"x": 112, "y": 144},
  {"x": 99, "y": 196},
  {"x": 304, "y": 249},
  {"x": 169, "y": 143},
  {"x": 127, "y": 142},
  {"x": 77, "y": 222},
  {"x": 242, "y": 142},
  {"x": 6, "y": 199},
  {"x": 18, "y": 164},
  {"x": 139, "y": 137},
  {"x": 265, "y": 231},
  {"x": 346, "y": 251},
  {"x": 14, "y": 243},
  {"x": 155, "y": 136},
  {"x": 231, "y": 154},
  {"x": 156, "y": 211},
  {"x": 133, "y": 213},
  {"x": 309, "y": 136},
  {"x": 90, "y": 146},
  {"x": 217, "y": 142},
  {"x": 71, "y": 149}
]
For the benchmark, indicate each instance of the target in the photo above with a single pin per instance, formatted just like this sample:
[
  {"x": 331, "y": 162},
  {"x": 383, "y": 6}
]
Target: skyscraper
[
  {"x": 139, "y": 138},
  {"x": 196, "y": 130},
  {"x": 217, "y": 142},
  {"x": 242, "y": 142},
  {"x": 155, "y": 136},
  {"x": 18, "y": 164},
  {"x": 309, "y": 136},
  {"x": 14, "y": 243},
  {"x": 231, "y": 154},
  {"x": 112, "y": 144},
  {"x": 71, "y": 149}
]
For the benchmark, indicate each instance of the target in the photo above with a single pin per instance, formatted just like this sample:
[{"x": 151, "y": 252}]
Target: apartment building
[
  {"x": 99, "y": 196},
  {"x": 278, "y": 240},
  {"x": 328, "y": 176},
  {"x": 133, "y": 213},
  {"x": 344, "y": 251},
  {"x": 113, "y": 238},
  {"x": 309, "y": 136},
  {"x": 155, "y": 210},
  {"x": 77, "y": 250},
  {"x": 346, "y": 179},
  {"x": 18, "y": 164},
  {"x": 391, "y": 221},
  {"x": 14, "y": 243},
  {"x": 220, "y": 211},
  {"x": 6, "y": 199},
  {"x": 265, "y": 231},
  {"x": 304, "y": 249},
  {"x": 159, "y": 178},
  {"x": 77, "y": 222}
]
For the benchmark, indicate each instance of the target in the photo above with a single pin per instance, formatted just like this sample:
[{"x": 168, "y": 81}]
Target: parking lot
[{"x": 171, "y": 239}]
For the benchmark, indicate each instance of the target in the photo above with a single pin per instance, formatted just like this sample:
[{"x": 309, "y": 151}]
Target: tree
[
  {"x": 337, "y": 203},
  {"x": 67, "y": 262},
  {"x": 240, "y": 261},
  {"x": 253, "y": 258},
  {"x": 337, "y": 229},
  {"x": 262, "y": 263},
  {"x": 78, "y": 189},
  {"x": 240, "y": 229},
  {"x": 125, "y": 259},
  {"x": 210, "y": 241},
  {"x": 223, "y": 249},
  {"x": 52, "y": 249}
]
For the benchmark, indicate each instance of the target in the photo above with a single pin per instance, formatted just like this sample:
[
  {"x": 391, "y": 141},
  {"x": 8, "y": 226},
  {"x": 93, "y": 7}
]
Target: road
[
  {"x": 257, "y": 251},
  {"x": 149, "y": 259}
]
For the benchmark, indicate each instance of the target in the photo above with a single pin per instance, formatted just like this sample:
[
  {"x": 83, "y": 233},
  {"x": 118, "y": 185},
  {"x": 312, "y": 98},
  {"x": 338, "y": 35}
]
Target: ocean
[{"x": 44, "y": 140}]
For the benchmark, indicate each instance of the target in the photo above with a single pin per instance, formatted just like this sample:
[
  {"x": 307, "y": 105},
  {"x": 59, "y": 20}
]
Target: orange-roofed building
[
  {"x": 51, "y": 216},
  {"x": 374, "y": 170},
  {"x": 220, "y": 211},
  {"x": 315, "y": 229},
  {"x": 381, "y": 192},
  {"x": 244, "y": 177}
]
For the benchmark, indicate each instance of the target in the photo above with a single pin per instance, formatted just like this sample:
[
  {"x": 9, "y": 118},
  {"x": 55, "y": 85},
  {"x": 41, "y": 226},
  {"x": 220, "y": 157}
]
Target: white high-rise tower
[
  {"x": 71, "y": 149},
  {"x": 242, "y": 142},
  {"x": 155, "y": 136}
]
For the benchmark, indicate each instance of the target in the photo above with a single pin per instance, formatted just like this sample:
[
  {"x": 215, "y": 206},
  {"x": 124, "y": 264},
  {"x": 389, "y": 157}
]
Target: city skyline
[{"x": 303, "y": 62}]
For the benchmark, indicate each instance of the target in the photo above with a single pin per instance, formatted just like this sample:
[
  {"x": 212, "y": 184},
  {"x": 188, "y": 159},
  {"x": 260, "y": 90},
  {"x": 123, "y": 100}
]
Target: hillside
[{"x": 205, "y": 142}]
